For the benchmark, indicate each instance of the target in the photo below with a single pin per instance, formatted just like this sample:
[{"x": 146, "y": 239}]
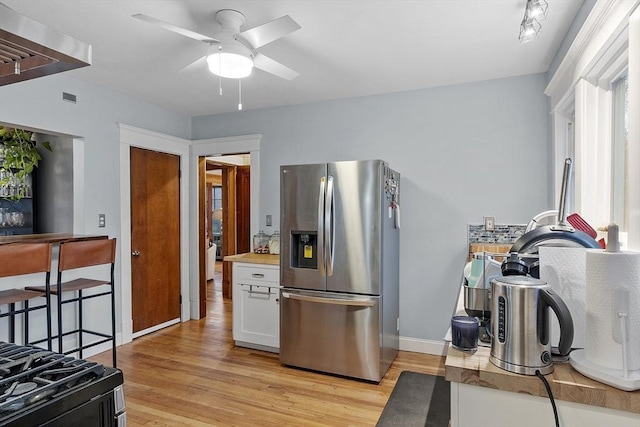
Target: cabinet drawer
[
  {"x": 257, "y": 273},
  {"x": 256, "y": 316}
]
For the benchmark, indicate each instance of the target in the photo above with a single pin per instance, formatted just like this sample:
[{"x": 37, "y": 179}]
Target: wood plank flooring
[{"x": 192, "y": 374}]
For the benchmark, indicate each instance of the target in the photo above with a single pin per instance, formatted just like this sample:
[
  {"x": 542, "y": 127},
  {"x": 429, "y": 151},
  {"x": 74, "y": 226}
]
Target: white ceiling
[{"x": 346, "y": 48}]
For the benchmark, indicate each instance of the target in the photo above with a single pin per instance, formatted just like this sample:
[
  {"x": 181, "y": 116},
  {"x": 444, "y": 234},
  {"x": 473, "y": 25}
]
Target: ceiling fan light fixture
[
  {"x": 230, "y": 65},
  {"x": 232, "y": 62}
]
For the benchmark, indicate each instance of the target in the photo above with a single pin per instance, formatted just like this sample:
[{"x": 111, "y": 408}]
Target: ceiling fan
[{"x": 233, "y": 53}]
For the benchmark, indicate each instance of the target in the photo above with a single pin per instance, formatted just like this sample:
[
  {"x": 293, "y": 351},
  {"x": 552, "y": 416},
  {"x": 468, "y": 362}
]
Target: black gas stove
[{"x": 43, "y": 388}]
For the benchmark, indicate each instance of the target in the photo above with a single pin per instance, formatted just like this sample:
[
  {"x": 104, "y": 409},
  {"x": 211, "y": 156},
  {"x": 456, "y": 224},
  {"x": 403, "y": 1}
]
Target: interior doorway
[{"x": 225, "y": 225}]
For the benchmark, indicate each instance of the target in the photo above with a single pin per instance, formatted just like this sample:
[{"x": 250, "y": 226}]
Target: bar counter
[{"x": 49, "y": 238}]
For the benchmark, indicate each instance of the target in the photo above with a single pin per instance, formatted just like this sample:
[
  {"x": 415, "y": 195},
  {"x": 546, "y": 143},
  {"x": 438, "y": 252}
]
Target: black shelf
[{"x": 16, "y": 217}]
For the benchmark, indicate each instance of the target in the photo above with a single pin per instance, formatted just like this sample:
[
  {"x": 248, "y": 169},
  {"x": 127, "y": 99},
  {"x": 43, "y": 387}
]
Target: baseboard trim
[
  {"x": 257, "y": 346},
  {"x": 155, "y": 328},
  {"x": 91, "y": 351},
  {"x": 417, "y": 345},
  {"x": 194, "y": 310}
]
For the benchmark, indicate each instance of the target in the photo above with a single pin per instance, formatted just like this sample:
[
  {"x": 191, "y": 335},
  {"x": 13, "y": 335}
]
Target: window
[
  {"x": 216, "y": 206},
  {"x": 595, "y": 102},
  {"x": 619, "y": 153}
]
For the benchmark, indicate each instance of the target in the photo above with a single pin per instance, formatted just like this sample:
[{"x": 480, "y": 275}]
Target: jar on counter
[
  {"x": 274, "y": 243},
  {"x": 261, "y": 243}
]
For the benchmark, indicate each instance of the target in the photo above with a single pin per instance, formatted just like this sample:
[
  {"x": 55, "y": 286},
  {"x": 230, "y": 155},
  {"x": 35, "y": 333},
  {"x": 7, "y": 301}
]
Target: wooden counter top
[
  {"x": 254, "y": 258},
  {"x": 49, "y": 238},
  {"x": 566, "y": 383}
]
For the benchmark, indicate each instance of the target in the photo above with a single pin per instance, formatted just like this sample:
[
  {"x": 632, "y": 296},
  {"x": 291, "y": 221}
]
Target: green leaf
[{"x": 21, "y": 155}]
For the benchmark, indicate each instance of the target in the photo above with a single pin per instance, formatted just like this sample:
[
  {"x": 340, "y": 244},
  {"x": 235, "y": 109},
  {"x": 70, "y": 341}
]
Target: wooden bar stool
[
  {"x": 17, "y": 259},
  {"x": 80, "y": 254}
]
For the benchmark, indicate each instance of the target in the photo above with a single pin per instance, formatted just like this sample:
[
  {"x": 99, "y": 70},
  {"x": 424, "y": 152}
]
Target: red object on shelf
[{"x": 579, "y": 223}]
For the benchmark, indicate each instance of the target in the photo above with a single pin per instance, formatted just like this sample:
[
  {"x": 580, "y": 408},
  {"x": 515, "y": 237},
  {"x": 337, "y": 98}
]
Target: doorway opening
[{"x": 225, "y": 226}]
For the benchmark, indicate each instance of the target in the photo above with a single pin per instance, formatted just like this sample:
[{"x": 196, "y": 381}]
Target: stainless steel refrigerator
[{"x": 339, "y": 255}]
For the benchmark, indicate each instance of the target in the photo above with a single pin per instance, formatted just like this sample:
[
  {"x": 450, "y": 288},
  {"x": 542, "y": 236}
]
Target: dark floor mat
[{"x": 418, "y": 400}]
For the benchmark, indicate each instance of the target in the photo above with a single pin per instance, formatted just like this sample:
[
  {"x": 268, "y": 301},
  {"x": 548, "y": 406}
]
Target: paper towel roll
[
  {"x": 563, "y": 269},
  {"x": 606, "y": 272}
]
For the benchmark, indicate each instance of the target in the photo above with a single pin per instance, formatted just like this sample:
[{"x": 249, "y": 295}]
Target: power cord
[{"x": 550, "y": 394}]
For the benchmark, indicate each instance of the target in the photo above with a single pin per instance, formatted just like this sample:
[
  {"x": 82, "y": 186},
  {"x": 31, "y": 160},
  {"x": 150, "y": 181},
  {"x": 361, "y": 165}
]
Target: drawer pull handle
[
  {"x": 259, "y": 292},
  {"x": 251, "y": 291},
  {"x": 259, "y": 275}
]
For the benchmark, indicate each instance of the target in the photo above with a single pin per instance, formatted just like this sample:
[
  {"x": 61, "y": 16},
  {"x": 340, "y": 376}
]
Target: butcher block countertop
[
  {"x": 254, "y": 258},
  {"x": 566, "y": 383},
  {"x": 48, "y": 238}
]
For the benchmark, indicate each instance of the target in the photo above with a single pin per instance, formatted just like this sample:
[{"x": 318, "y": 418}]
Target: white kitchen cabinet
[
  {"x": 256, "y": 306},
  {"x": 472, "y": 405}
]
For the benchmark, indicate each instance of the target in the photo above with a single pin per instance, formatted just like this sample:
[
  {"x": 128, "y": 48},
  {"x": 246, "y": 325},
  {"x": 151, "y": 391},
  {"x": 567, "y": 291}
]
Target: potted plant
[{"x": 18, "y": 158}]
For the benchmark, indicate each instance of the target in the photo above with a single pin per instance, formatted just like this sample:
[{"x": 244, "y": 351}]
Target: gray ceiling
[{"x": 346, "y": 48}]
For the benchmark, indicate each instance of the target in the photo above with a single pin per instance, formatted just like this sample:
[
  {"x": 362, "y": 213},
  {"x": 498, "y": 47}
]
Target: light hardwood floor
[{"x": 191, "y": 374}]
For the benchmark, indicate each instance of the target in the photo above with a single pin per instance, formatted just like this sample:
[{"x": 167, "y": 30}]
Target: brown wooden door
[
  {"x": 243, "y": 209},
  {"x": 155, "y": 238}
]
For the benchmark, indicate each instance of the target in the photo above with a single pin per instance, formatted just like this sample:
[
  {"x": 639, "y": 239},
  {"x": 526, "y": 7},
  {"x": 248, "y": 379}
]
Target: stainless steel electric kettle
[{"x": 520, "y": 326}]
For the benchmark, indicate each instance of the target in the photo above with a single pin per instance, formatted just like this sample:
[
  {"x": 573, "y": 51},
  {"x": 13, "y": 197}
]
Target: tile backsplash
[{"x": 502, "y": 233}]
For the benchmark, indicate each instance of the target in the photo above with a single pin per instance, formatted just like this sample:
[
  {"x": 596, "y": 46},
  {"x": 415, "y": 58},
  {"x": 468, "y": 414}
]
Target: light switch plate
[
  {"x": 489, "y": 223},
  {"x": 269, "y": 220}
]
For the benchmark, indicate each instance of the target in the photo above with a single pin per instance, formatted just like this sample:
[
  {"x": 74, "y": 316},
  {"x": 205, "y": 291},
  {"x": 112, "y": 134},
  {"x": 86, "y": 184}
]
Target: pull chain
[
  {"x": 220, "y": 69},
  {"x": 239, "y": 94}
]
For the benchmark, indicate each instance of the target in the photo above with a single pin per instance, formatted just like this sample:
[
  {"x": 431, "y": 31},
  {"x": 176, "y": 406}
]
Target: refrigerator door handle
[
  {"x": 332, "y": 301},
  {"x": 321, "y": 243},
  {"x": 329, "y": 235}
]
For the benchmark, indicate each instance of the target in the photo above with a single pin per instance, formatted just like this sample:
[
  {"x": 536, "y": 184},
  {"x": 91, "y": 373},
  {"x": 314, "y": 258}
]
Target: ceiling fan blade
[
  {"x": 175, "y": 29},
  {"x": 267, "y": 64},
  {"x": 266, "y": 33},
  {"x": 195, "y": 65}
]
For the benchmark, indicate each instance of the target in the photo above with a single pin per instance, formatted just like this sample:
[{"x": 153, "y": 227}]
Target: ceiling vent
[{"x": 29, "y": 49}]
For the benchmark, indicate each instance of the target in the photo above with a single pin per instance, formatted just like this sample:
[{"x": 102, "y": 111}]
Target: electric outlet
[
  {"x": 269, "y": 220},
  {"x": 489, "y": 223},
  {"x": 102, "y": 220}
]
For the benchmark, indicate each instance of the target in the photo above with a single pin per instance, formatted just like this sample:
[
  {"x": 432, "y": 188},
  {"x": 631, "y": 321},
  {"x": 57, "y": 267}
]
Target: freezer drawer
[{"x": 334, "y": 333}]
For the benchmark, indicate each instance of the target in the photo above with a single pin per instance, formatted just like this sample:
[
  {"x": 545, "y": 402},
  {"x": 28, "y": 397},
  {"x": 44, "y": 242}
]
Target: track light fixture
[
  {"x": 537, "y": 9},
  {"x": 530, "y": 27}
]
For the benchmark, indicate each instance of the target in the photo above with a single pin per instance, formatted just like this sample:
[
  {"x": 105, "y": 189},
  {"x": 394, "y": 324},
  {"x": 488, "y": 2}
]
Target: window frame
[
  {"x": 619, "y": 196},
  {"x": 607, "y": 46}
]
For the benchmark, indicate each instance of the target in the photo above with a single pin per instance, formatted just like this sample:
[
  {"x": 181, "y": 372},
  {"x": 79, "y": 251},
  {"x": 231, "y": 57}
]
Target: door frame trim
[{"x": 130, "y": 136}]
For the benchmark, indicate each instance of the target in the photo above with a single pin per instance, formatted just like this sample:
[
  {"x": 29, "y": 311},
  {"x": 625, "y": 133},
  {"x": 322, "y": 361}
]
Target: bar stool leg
[
  {"x": 59, "y": 298},
  {"x": 26, "y": 322},
  {"x": 80, "y": 322},
  {"x": 12, "y": 323},
  {"x": 113, "y": 319},
  {"x": 48, "y": 301}
]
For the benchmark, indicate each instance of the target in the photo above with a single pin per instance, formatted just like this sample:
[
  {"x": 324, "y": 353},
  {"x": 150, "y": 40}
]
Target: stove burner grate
[{"x": 29, "y": 375}]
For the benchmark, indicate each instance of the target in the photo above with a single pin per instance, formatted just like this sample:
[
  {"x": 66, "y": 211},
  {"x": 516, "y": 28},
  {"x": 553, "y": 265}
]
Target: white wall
[
  {"x": 463, "y": 151},
  {"x": 38, "y": 104}
]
